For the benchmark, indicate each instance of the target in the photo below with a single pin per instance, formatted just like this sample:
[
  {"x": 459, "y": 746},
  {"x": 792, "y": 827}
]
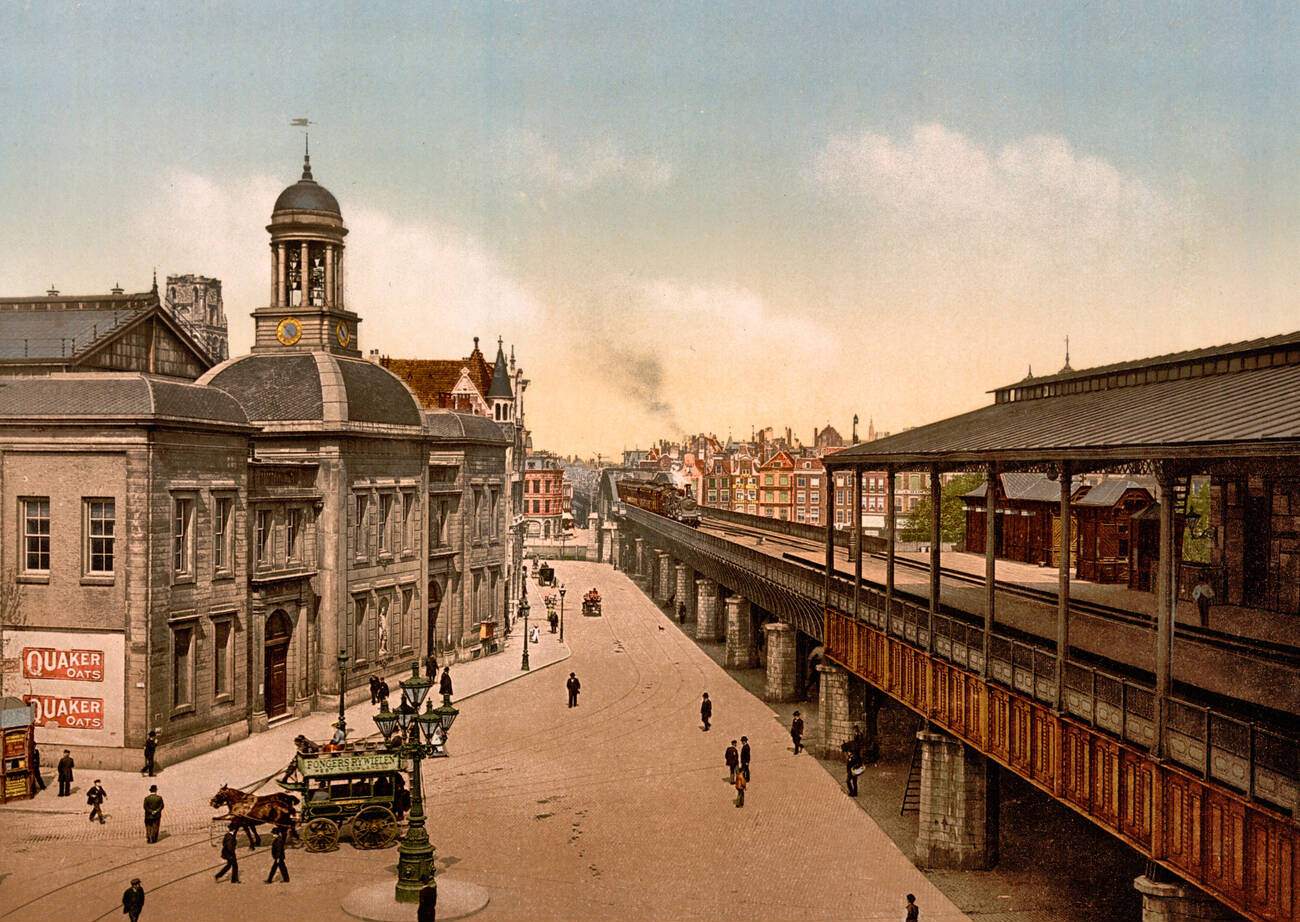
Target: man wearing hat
[
  {"x": 153, "y": 810},
  {"x": 133, "y": 900},
  {"x": 150, "y": 747}
]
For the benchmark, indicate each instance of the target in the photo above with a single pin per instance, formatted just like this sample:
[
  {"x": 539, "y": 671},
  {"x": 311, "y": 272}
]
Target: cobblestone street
[{"x": 617, "y": 809}]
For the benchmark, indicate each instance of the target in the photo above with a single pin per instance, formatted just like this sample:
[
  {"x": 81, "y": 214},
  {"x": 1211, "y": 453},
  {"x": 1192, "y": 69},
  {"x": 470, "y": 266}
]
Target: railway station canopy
[{"x": 1240, "y": 400}]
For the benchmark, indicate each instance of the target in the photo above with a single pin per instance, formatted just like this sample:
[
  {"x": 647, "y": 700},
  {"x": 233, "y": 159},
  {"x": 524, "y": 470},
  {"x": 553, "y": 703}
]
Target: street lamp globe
[
  {"x": 415, "y": 689},
  {"x": 446, "y": 716},
  {"x": 386, "y": 721}
]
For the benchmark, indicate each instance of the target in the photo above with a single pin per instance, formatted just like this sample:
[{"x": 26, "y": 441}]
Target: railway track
[{"x": 1271, "y": 651}]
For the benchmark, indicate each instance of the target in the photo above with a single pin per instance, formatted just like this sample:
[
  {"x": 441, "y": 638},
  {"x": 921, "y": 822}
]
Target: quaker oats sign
[{"x": 73, "y": 681}]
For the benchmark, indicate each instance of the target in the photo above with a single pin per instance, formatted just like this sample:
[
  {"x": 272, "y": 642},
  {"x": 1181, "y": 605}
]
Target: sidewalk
[{"x": 260, "y": 757}]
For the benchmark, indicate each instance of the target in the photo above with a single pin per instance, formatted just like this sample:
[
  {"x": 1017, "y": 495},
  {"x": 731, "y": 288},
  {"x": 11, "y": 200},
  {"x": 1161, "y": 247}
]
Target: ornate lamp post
[
  {"x": 523, "y": 613},
  {"x": 416, "y": 736},
  {"x": 341, "y": 728},
  {"x": 562, "y": 591}
]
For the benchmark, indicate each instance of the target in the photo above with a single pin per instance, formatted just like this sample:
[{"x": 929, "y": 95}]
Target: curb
[{"x": 568, "y": 652}]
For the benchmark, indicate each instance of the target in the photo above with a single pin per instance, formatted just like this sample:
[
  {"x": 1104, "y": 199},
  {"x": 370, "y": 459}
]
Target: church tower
[
  {"x": 500, "y": 396},
  {"x": 307, "y": 311}
]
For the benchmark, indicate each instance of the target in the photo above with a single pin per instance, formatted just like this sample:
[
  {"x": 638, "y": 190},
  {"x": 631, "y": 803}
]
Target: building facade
[
  {"x": 193, "y": 556},
  {"x": 544, "y": 496}
]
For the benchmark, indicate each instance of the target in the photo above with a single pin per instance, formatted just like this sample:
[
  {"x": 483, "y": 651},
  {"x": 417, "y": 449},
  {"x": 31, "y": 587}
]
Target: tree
[
  {"x": 1196, "y": 533},
  {"x": 11, "y": 616},
  {"x": 952, "y": 512}
]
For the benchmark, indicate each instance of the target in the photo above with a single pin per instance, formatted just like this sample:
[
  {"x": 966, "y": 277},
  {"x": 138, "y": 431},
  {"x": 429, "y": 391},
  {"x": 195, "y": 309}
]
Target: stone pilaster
[
  {"x": 1178, "y": 902},
  {"x": 782, "y": 670},
  {"x": 706, "y": 608},
  {"x": 740, "y": 652},
  {"x": 664, "y": 579},
  {"x": 614, "y": 543},
  {"x": 685, "y": 589},
  {"x": 958, "y": 826},
  {"x": 640, "y": 557},
  {"x": 835, "y": 716}
]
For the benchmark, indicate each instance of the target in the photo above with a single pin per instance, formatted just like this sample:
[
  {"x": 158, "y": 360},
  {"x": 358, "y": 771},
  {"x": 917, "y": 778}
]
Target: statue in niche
[{"x": 383, "y": 628}]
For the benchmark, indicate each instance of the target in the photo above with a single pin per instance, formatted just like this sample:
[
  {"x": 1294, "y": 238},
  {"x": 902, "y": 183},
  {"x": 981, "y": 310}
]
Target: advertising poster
[{"x": 72, "y": 680}]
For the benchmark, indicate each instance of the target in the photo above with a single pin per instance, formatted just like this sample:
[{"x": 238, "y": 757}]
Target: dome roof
[
  {"x": 307, "y": 195},
  {"x": 316, "y": 387}
]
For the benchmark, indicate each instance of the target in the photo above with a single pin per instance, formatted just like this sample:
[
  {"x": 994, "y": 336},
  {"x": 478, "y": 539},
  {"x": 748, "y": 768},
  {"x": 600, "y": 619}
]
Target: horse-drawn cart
[
  {"x": 353, "y": 791},
  {"x": 591, "y": 604},
  {"x": 545, "y": 575}
]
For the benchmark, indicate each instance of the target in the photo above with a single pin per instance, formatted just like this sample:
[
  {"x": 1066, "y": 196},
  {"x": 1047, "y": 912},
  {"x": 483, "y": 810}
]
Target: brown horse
[{"x": 245, "y": 811}]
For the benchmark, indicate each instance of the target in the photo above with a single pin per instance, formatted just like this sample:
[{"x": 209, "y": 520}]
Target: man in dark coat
[
  {"x": 574, "y": 686},
  {"x": 383, "y": 694},
  {"x": 444, "y": 684},
  {"x": 796, "y": 732},
  {"x": 65, "y": 774},
  {"x": 681, "y": 612},
  {"x": 153, "y": 811},
  {"x": 428, "y": 907},
  {"x": 150, "y": 747},
  {"x": 732, "y": 758},
  {"x": 277, "y": 856},
  {"x": 133, "y": 900},
  {"x": 374, "y": 689},
  {"x": 230, "y": 856},
  {"x": 401, "y": 799},
  {"x": 96, "y": 797},
  {"x": 36, "y": 771},
  {"x": 706, "y": 710},
  {"x": 744, "y": 756},
  {"x": 852, "y": 769}
]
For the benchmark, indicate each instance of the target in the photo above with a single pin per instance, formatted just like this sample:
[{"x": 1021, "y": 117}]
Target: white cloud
[
  {"x": 1035, "y": 205},
  {"x": 531, "y": 158}
]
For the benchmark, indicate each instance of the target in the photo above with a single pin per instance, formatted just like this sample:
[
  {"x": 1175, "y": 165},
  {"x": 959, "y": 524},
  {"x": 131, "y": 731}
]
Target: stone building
[
  {"x": 195, "y": 300},
  {"x": 193, "y": 556}
]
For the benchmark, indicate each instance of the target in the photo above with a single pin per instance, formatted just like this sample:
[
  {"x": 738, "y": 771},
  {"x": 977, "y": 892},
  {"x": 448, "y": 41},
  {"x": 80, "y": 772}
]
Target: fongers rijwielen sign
[{"x": 73, "y": 682}]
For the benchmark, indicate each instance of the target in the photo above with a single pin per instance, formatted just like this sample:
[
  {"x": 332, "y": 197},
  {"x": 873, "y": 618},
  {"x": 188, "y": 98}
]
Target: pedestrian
[
  {"x": 706, "y": 711},
  {"x": 913, "y": 911},
  {"x": 555, "y": 621},
  {"x": 383, "y": 694},
  {"x": 277, "y": 856},
  {"x": 374, "y": 689},
  {"x": 796, "y": 732},
  {"x": 1203, "y": 595},
  {"x": 853, "y": 768},
  {"x": 65, "y": 767},
  {"x": 36, "y": 771},
  {"x": 732, "y": 758},
  {"x": 427, "y": 909},
  {"x": 741, "y": 783},
  {"x": 744, "y": 756},
  {"x": 150, "y": 747},
  {"x": 431, "y": 665},
  {"x": 133, "y": 900},
  {"x": 574, "y": 686},
  {"x": 153, "y": 811},
  {"x": 231, "y": 856},
  {"x": 401, "y": 799},
  {"x": 444, "y": 684},
  {"x": 96, "y": 797},
  {"x": 681, "y": 612},
  {"x": 533, "y": 635},
  {"x": 859, "y": 741}
]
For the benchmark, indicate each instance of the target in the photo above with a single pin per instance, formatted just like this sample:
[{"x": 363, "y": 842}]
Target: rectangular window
[
  {"x": 222, "y": 533},
  {"x": 223, "y": 659},
  {"x": 183, "y": 666},
  {"x": 408, "y": 521},
  {"x": 801, "y": 497},
  {"x": 801, "y": 481},
  {"x": 435, "y": 525},
  {"x": 385, "y": 521},
  {"x": 476, "y": 598},
  {"x": 408, "y": 618},
  {"x": 362, "y": 511},
  {"x": 492, "y": 513},
  {"x": 100, "y": 530},
  {"x": 293, "y": 534},
  {"x": 36, "y": 534},
  {"x": 359, "y": 625},
  {"x": 183, "y": 536},
  {"x": 262, "y": 537}
]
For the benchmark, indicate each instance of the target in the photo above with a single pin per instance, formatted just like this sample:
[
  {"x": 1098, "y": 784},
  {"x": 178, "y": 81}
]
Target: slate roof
[
  {"x": 1234, "y": 411},
  {"x": 431, "y": 380},
  {"x": 1108, "y": 492},
  {"x": 1024, "y": 487},
  {"x": 500, "y": 386},
  {"x": 307, "y": 195},
  {"x": 376, "y": 395},
  {"x": 61, "y": 326},
  {"x": 115, "y": 396},
  {"x": 273, "y": 387},
  {"x": 452, "y": 426}
]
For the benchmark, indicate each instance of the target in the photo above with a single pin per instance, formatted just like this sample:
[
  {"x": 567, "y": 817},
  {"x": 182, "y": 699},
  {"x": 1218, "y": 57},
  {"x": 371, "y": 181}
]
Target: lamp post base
[{"x": 374, "y": 902}]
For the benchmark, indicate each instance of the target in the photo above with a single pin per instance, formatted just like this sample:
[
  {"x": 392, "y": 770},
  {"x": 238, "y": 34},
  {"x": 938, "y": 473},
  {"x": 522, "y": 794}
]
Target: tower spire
[
  {"x": 1066, "y": 367},
  {"x": 306, "y": 156}
]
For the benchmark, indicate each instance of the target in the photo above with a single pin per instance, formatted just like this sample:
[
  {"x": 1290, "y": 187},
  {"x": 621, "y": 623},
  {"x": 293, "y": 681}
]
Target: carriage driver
[{"x": 305, "y": 748}]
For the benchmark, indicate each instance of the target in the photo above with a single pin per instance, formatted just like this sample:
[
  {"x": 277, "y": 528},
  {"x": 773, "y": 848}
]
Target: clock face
[
  {"x": 343, "y": 334},
  {"x": 289, "y": 331}
]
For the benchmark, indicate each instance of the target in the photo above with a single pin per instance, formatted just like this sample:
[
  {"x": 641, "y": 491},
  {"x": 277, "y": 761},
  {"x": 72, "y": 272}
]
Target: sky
[{"x": 686, "y": 216}]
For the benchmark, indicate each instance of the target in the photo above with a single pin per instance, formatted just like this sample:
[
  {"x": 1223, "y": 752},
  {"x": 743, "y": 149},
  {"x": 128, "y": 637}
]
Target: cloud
[
  {"x": 1034, "y": 205},
  {"x": 531, "y": 158}
]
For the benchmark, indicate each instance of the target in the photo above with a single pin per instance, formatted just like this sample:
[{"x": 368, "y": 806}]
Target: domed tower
[{"x": 307, "y": 312}]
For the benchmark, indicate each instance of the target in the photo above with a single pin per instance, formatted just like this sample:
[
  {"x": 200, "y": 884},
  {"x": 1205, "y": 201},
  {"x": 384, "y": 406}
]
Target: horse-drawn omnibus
[{"x": 353, "y": 791}]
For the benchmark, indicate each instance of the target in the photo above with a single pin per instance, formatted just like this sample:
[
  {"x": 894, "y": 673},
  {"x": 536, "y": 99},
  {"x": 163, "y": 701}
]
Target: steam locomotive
[{"x": 661, "y": 498}]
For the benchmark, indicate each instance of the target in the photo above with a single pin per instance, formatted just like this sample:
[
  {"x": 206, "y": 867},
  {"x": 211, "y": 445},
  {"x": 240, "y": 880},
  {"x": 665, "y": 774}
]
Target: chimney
[{"x": 374, "y": 356}]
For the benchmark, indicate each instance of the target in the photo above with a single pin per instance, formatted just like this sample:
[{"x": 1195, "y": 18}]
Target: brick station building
[{"x": 193, "y": 555}]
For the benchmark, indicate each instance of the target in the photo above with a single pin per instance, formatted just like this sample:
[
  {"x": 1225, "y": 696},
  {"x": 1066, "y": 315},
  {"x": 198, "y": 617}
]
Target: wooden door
[{"x": 1255, "y": 554}]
